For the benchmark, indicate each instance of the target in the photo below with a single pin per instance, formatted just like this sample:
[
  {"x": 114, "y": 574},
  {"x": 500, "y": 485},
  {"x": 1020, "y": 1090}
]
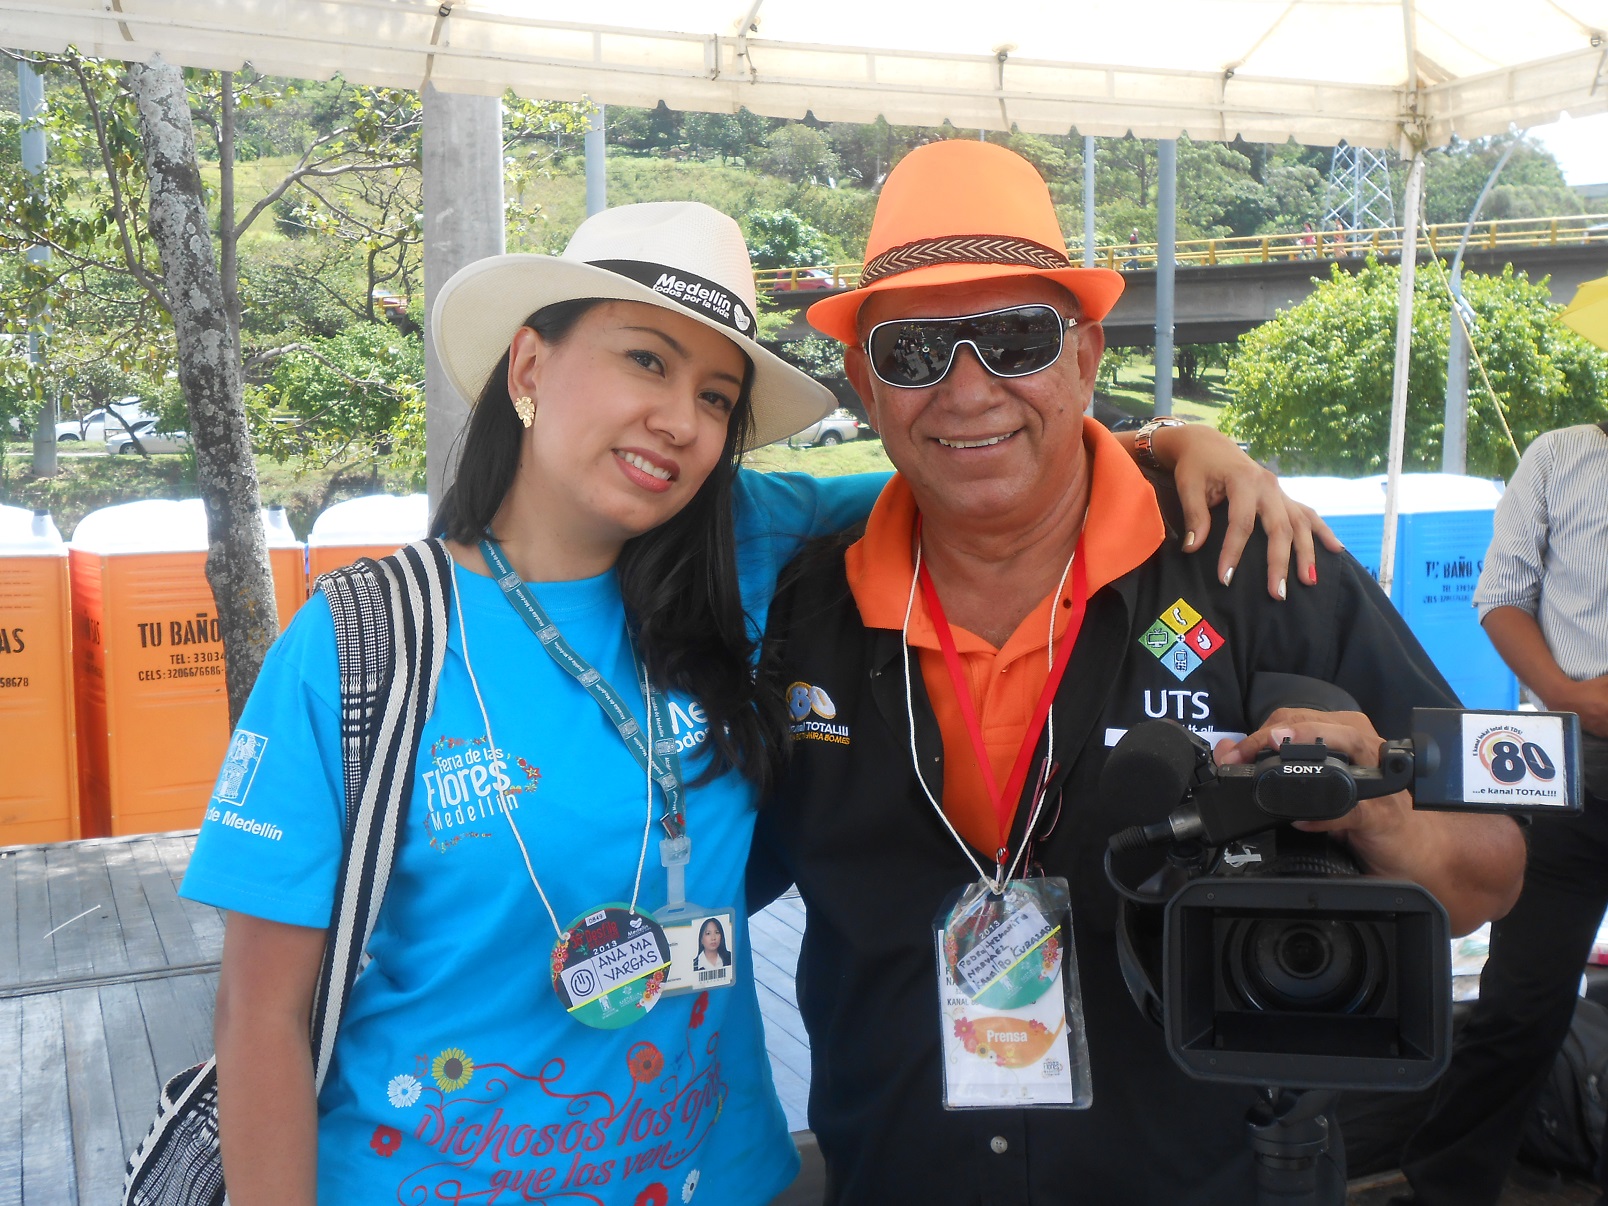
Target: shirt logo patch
[
  {"x": 239, "y": 767},
  {"x": 1181, "y": 639},
  {"x": 813, "y": 712}
]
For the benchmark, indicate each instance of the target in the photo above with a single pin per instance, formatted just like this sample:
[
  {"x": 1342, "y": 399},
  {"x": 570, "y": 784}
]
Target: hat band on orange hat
[{"x": 962, "y": 249}]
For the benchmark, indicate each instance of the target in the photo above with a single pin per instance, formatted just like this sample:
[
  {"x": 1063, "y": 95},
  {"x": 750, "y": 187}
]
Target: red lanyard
[{"x": 1005, "y": 802}]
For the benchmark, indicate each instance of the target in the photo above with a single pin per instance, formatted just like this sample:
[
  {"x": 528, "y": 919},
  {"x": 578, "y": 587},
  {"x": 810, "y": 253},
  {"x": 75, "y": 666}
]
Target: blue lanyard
[{"x": 524, "y": 601}]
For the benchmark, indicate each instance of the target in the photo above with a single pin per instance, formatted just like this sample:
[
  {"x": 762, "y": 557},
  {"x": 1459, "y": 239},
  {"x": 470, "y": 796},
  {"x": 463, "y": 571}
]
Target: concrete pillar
[
  {"x": 463, "y": 222},
  {"x": 597, "y": 177},
  {"x": 1166, "y": 264},
  {"x": 30, "y": 101},
  {"x": 1088, "y": 200}
]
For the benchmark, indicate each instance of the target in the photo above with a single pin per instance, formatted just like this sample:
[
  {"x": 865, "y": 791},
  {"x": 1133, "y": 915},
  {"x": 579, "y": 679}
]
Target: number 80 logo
[{"x": 1510, "y": 759}]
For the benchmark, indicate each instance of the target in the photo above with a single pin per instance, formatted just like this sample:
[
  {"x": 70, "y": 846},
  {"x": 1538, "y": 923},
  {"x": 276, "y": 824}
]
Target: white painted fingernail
[
  {"x": 1228, "y": 575},
  {"x": 1189, "y": 540},
  {"x": 1281, "y": 587}
]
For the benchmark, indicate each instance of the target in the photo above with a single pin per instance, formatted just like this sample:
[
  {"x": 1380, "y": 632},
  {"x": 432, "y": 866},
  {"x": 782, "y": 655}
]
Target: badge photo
[{"x": 703, "y": 952}]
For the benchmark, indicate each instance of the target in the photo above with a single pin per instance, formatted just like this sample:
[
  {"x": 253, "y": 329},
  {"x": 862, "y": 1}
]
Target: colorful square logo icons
[{"x": 1181, "y": 639}]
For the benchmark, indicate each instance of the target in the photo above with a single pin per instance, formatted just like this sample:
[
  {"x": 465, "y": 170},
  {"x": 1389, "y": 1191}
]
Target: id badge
[
  {"x": 703, "y": 950},
  {"x": 1010, "y": 1007}
]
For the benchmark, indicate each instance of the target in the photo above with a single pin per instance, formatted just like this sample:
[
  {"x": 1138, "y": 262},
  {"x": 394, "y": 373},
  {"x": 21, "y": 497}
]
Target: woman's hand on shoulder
[{"x": 1207, "y": 468}]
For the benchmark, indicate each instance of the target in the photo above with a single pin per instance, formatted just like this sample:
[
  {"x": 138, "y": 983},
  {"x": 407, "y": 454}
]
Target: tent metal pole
[
  {"x": 1404, "y": 347},
  {"x": 597, "y": 179},
  {"x": 1166, "y": 267},
  {"x": 1454, "y": 444},
  {"x": 1088, "y": 200},
  {"x": 30, "y": 105}
]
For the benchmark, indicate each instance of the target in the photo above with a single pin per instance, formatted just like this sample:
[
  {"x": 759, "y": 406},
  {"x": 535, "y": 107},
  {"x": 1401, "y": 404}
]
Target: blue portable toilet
[{"x": 1443, "y": 529}]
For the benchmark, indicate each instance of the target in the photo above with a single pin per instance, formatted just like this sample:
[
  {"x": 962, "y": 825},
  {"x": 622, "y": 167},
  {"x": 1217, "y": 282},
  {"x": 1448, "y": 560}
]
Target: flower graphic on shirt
[
  {"x": 403, "y": 1091},
  {"x": 385, "y": 1140},
  {"x": 645, "y": 1062},
  {"x": 452, "y": 1069},
  {"x": 699, "y": 1007},
  {"x": 654, "y": 1195},
  {"x": 689, "y": 1186}
]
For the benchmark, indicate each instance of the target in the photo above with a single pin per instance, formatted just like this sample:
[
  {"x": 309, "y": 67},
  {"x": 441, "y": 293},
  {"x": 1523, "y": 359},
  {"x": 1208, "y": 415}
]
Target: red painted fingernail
[{"x": 1312, "y": 574}]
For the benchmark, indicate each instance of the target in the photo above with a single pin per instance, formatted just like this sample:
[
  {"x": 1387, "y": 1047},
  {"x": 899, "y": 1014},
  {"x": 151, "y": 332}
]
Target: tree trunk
[{"x": 209, "y": 372}]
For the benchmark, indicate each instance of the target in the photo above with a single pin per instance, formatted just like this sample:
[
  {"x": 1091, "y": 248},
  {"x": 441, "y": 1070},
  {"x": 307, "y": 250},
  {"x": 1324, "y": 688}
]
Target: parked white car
[
  {"x": 837, "y": 428},
  {"x": 119, "y": 443},
  {"x": 95, "y": 427}
]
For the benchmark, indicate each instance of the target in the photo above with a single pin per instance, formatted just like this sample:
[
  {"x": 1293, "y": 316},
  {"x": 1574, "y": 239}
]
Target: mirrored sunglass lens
[
  {"x": 1020, "y": 341},
  {"x": 912, "y": 353}
]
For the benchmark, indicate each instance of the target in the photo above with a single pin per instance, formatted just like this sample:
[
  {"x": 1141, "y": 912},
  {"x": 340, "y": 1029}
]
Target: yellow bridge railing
[{"x": 1442, "y": 239}]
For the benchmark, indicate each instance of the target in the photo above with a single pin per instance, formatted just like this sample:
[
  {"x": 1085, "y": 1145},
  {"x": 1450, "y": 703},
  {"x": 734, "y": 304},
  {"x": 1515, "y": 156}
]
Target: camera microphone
[{"x": 1152, "y": 768}]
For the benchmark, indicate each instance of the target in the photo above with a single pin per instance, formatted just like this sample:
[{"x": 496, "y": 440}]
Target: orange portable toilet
[
  {"x": 373, "y": 526},
  {"x": 39, "y": 788},
  {"x": 287, "y": 557},
  {"x": 152, "y": 708}
]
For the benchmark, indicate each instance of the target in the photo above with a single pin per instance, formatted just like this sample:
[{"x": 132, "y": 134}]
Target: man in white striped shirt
[{"x": 1543, "y": 600}]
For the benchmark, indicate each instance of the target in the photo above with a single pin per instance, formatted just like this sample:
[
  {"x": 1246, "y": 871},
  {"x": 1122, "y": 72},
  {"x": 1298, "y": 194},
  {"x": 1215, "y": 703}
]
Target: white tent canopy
[
  {"x": 1407, "y": 74},
  {"x": 1317, "y": 70}
]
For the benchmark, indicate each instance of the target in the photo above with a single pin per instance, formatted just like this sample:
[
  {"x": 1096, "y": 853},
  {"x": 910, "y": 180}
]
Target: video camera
[{"x": 1277, "y": 961}]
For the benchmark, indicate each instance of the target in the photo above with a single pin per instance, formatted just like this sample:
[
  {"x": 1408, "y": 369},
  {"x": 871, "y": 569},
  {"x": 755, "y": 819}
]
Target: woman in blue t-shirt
[{"x": 542, "y": 1017}]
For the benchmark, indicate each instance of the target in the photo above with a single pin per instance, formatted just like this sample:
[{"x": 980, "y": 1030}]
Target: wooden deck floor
[{"x": 106, "y": 986}]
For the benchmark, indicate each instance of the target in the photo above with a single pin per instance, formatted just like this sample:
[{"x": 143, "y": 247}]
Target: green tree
[
  {"x": 779, "y": 238},
  {"x": 1531, "y": 184},
  {"x": 341, "y": 400},
  {"x": 800, "y": 153},
  {"x": 1313, "y": 387}
]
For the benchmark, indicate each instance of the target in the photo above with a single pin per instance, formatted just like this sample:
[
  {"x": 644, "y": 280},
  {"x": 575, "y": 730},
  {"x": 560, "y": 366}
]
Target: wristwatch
[{"x": 1141, "y": 441}]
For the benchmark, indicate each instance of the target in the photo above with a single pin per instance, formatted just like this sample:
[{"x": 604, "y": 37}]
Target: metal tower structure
[{"x": 1358, "y": 195}]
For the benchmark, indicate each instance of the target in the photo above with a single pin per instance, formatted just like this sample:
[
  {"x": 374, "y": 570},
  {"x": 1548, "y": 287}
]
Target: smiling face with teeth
[
  {"x": 632, "y": 409},
  {"x": 976, "y": 448}
]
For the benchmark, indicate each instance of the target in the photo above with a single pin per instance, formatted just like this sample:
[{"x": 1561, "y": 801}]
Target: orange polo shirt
[{"x": 1123, "y": 529}]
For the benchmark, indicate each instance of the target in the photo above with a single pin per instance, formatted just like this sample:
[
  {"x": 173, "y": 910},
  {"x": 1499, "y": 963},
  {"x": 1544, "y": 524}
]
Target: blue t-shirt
[{"x": 457, "y": 1074}]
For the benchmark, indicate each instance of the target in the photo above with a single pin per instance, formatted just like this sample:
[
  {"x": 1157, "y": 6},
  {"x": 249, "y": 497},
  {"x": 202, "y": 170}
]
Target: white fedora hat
[{"x": 682, "y": 256}]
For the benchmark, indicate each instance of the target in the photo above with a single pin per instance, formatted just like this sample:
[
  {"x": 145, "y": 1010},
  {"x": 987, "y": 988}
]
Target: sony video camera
[{"x": 1265, "y": 953}]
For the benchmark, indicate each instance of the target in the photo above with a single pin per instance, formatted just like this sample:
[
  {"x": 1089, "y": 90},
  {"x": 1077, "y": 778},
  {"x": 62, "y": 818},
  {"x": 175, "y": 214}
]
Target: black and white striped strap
[{"x": 391, "y": 637}]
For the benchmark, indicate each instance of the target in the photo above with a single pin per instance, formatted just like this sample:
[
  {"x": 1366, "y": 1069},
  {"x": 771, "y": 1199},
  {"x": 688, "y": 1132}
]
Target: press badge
[
  {"x": 1010, "y": 1007},
  {"x": 703, "y": 951}
]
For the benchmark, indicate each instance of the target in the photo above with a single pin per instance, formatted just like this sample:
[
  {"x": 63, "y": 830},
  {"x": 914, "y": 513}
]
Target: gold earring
[{"x": 525, "y": 409}]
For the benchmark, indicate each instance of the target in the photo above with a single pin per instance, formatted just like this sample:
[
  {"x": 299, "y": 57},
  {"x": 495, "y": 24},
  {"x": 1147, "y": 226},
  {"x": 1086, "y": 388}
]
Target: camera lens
[{"x": 1301, "y": 965}]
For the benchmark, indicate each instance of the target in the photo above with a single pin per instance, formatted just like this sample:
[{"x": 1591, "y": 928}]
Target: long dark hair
[{"x": 678, "y": 581}]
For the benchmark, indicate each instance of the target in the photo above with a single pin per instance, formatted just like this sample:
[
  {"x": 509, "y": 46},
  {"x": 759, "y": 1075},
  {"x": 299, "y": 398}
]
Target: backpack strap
[{"x": 390, "y": 638}]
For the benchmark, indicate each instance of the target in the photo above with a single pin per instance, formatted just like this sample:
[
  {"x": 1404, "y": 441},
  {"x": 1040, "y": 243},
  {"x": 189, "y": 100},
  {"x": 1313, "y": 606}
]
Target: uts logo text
[
  {"x": 813, "y": 714},
  {"x": 1181, "y": 639}
]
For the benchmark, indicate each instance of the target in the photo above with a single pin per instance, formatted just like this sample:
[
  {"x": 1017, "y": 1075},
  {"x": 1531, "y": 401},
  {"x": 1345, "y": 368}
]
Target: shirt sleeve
[
  {"x": 1515, "y": 562},
  {"x": 271, "y": 842},
  {"x": 777, "y": 513}
]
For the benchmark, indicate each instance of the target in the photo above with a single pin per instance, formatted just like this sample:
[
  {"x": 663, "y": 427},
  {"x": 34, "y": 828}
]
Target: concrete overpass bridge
[{"x": 1225, "y": 287}]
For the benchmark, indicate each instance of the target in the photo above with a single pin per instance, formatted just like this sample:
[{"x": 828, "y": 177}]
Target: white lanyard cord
[
  {"x": 502, "y": 800},
  {"x": 915, "y": 757},
  {"x": 997, "y": 885}
]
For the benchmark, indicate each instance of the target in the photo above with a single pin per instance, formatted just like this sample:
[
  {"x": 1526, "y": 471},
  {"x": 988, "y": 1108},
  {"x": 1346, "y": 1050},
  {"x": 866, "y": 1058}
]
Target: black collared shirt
[{"x": 850, "y": 825}]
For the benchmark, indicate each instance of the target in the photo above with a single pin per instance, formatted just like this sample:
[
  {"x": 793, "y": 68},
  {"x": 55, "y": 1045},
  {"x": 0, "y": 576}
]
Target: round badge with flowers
[
  {"x": 609, "y": 965},
  {"x": 1023, "y": 980}
]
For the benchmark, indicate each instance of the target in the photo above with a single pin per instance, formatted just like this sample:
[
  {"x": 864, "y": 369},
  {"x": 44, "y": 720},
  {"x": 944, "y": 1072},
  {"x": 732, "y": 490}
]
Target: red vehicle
[{"x": 801, "y": 280}]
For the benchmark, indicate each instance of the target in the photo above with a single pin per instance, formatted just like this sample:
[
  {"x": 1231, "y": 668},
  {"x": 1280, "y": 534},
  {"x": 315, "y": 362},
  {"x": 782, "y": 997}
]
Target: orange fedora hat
[{"x": 963, "y": 211}]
